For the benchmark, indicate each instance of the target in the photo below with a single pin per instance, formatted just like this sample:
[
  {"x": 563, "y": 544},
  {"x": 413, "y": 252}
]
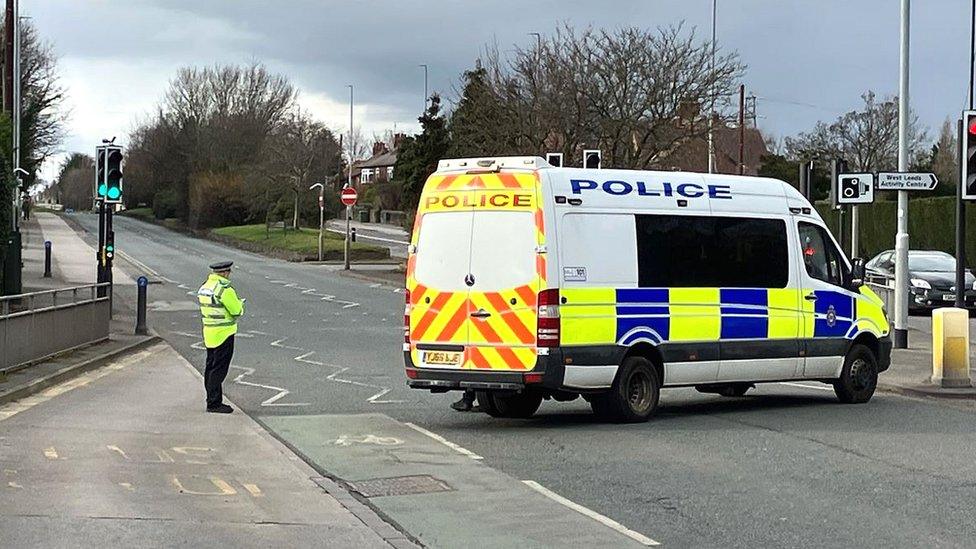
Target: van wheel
[
  {"x": 487, "y": 403},
  {"x": 634, "y": 394},
  {"x": 734, "y": 389},
  {"x": 859, "y": 378},
  {"x": 518, "y": 405}
]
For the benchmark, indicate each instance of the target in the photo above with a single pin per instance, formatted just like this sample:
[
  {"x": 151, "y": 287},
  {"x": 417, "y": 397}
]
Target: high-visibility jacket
[{"x": 220, "y": 307}]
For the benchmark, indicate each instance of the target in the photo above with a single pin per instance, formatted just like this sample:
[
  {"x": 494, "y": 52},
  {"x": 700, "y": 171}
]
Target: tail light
[
  {"x": 547, "y": 334},
  {"x": 406, "y": 318}
]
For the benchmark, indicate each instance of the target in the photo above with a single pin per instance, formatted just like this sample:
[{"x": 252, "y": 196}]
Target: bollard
[
  {"x": 141, "y": 328},
  {"x": 47, "y": 259},
  {"x": 352, "y": 234},
  {"x": 950, "y": 347}
]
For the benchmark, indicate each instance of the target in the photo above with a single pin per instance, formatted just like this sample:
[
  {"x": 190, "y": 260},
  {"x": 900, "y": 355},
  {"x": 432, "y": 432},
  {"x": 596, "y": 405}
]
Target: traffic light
[
  {"x": 555, "y": 159},
  {"x": 110, "y": 246},
  {"x": 113, "y": 175},
  {"x": 108, "y": 173},
  {"x": 592, "y": 159},
  {"x": 838, "y": 167},
  {"x": 968, "y": 160}
]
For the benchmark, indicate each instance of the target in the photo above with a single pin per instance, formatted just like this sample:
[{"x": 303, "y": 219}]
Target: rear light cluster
[
  {"x": 547, "y": 334},
  {"x": 406, "y": 318}
]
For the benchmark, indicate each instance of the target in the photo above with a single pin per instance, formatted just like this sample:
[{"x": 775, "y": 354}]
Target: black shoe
[
  {"x": 462, "y": 405},
  {"x": 220, "y": 409}
]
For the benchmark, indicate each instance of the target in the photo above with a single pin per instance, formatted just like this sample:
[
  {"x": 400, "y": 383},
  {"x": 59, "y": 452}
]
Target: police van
[{"x": 528, "y": 282}]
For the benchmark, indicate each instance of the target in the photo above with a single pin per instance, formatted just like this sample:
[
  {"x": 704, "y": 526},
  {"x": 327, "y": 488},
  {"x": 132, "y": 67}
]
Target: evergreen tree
[
  {"x": 475, "y": 121},
  {"x": 418, "y": 155}
]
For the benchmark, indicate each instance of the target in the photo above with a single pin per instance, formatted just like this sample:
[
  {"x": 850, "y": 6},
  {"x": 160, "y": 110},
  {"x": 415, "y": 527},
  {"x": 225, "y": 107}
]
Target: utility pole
[
  {"x": 742, "y": 128},
  {"x": 349, "y": 182},
  {"x": 426, "y": 93},
  {"x": 901, "y": 239},
  {"x": 711, "y": 110},
  {"x": 960, "y": 189}
]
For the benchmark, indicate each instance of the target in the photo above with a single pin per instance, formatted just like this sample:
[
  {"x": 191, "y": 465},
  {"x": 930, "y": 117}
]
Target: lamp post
[
  {"x": 426, "y": 93},
  {"x": 711, "y": 110},
  {"x": 321, "y": 214}
]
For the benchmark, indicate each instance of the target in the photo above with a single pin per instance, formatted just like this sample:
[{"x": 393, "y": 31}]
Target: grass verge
[{"x": 300, "y": 245}]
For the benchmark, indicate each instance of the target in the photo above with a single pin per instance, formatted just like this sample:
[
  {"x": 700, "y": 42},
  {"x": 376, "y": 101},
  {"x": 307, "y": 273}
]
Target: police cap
[{"x": 221, "y": 266}]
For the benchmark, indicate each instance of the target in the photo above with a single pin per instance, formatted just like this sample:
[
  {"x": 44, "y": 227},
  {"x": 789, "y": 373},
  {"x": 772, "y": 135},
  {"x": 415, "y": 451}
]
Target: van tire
[
  {"x": 519, "y": 405},
  {"x": 486, "y": 403},
  {"x": 859, "y": 377},
  {"x": 635, "y": 393}
]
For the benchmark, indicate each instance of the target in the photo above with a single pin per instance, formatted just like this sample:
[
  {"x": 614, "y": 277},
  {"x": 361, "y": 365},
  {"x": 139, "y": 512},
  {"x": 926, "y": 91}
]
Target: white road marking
[
  {"x": 805, "y": 386},
  {"x": 277, "y": 343},
  {"x": 349, "y": 440},
  {"x": 606, "y": 521},
  {"x": 273, "y": 401},
  {"x": 373, "y": 399},
  {"x": 444, "y": 441},
  {"x": 304, "y": 358}
]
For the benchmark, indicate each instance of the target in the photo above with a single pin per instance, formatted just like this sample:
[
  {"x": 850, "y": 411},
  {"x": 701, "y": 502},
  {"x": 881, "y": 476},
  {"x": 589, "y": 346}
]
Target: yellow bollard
[{"x": 950, "y": 347}]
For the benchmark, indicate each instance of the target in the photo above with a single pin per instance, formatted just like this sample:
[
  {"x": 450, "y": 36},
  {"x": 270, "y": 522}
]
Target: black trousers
[{"x": 218, "y": 361}]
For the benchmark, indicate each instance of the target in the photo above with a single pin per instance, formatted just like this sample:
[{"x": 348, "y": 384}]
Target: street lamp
[
  {"x": 425, "y": 87},
  {"x": 711, "y": 110},
  {"x": 321, "y": 214}
]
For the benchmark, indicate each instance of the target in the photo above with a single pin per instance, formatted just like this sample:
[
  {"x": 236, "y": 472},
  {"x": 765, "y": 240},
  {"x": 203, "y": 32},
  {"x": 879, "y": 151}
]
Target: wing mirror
[{"x": 857, "y": 273}]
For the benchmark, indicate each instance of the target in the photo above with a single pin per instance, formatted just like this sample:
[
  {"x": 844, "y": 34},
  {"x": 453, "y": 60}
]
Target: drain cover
[{"x": 400, "y": 486}]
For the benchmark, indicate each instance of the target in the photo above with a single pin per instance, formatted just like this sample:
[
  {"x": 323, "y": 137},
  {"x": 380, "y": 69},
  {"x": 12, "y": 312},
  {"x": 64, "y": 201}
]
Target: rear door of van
[{"x": 475, "y": 275}]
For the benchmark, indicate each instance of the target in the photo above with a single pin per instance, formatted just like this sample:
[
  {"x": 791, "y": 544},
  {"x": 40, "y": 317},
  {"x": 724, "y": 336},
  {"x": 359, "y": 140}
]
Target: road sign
[
  {"x": 855, "y": 188},
  {"x": 348, "y": 196},
  {"x": 894, "y": 181}
]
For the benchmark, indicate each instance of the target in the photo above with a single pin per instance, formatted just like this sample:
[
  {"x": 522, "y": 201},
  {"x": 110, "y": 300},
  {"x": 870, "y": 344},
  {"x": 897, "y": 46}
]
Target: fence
[{"x": 38, "y": 325}]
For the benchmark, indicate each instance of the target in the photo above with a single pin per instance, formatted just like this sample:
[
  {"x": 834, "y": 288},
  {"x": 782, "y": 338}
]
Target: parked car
[{"x": 931, "y": 275}]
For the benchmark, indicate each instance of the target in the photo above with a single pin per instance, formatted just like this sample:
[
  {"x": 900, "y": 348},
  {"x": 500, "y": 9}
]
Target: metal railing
[{"x": 37, "y": 325}]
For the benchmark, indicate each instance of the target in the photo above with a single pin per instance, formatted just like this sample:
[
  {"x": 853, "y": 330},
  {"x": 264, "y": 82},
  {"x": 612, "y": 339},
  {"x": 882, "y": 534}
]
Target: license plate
[
  {"x": 948, "y": 297},
  {"x": 443, "y": 358}
]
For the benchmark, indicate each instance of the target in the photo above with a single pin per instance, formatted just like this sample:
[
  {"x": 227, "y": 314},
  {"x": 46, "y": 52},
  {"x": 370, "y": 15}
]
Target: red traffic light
[{"x": 972, "y": 125}]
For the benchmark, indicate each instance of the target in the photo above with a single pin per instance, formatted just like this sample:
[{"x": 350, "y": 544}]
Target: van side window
[
  {"x": 821, "y": 258},
  {"x": 711, "y": 252}
]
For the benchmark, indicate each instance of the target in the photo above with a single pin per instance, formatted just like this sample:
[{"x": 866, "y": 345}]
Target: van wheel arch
[
  {"x": 651, "y": 353},
  {"x": 868, "y": 340}
]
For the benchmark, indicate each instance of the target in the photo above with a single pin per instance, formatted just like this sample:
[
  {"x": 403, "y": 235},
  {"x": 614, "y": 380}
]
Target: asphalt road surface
[{"x": 785, "y": 466}]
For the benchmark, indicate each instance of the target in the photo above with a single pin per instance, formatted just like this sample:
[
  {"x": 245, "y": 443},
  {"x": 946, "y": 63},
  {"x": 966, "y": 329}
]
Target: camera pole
[{"x": 854, "y": 241}]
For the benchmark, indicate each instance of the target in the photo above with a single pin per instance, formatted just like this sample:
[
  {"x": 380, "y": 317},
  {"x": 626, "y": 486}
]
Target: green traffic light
[
  {"x": 110, "y": 248},
  {"x": 102, "y": 189},
  {"x": 114, "y": 192}
]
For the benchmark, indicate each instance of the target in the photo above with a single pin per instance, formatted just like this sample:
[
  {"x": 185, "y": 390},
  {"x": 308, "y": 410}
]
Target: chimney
[
  {"x": 398, "y": 140},
  {"x": 379, "y": 148}
]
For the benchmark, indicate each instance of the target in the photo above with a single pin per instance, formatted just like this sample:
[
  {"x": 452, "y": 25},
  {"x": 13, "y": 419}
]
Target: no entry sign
[{"x": 348, "y": 196}]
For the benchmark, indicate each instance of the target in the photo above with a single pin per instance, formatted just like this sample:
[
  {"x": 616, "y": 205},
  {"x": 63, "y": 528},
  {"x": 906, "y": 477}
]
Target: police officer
[{"x": 220, "y": 307}]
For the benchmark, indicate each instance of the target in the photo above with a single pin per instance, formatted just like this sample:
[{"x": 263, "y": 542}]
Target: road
[{"x": 319, "y": 363}]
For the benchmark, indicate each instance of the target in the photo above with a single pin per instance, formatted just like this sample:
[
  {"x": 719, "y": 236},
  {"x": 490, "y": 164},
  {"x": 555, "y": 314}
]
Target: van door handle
[
  {"x": 810, "y": 297},
  {"x": 481, "y": 313}
]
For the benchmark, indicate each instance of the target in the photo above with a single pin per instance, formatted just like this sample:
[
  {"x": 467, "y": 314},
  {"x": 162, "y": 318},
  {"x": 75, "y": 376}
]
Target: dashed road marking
[
  {"x": 444, "y": 441},
  {"x": 117, "y": 450},
  {"x": 272, "y": 401},
  {"x": 253, "y": 489},
  {"x": 606, "y": 521},
  {"x": 127, "y": 486},
  {"x": 51, "y": 453}
]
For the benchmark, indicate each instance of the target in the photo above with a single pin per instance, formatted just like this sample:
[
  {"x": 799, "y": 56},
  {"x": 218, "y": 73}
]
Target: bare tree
[
  {"x": 73, "y": 185},
  {"x": 867, "y": 138},
  {"x": 637, "y": 94},
  {"x": 301, "y": 152},
  {"x": 42, "y": 113}
]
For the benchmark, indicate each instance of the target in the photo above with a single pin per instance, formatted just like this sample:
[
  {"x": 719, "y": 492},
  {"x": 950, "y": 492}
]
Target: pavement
[
  {"x": 319, "y": 364},
  {"x": 125, "y": 456}
]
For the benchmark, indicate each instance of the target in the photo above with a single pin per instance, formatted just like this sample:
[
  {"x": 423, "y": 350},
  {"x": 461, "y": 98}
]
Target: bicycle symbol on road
[{"x": 349, "y": 440}]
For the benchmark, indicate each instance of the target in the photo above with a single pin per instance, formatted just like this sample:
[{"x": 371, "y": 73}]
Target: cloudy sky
[{"x": 807, "y": 60}]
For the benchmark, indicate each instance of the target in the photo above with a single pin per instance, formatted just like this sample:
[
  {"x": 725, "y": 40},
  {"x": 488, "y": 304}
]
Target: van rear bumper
[{"x": 453, "y": 379}]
